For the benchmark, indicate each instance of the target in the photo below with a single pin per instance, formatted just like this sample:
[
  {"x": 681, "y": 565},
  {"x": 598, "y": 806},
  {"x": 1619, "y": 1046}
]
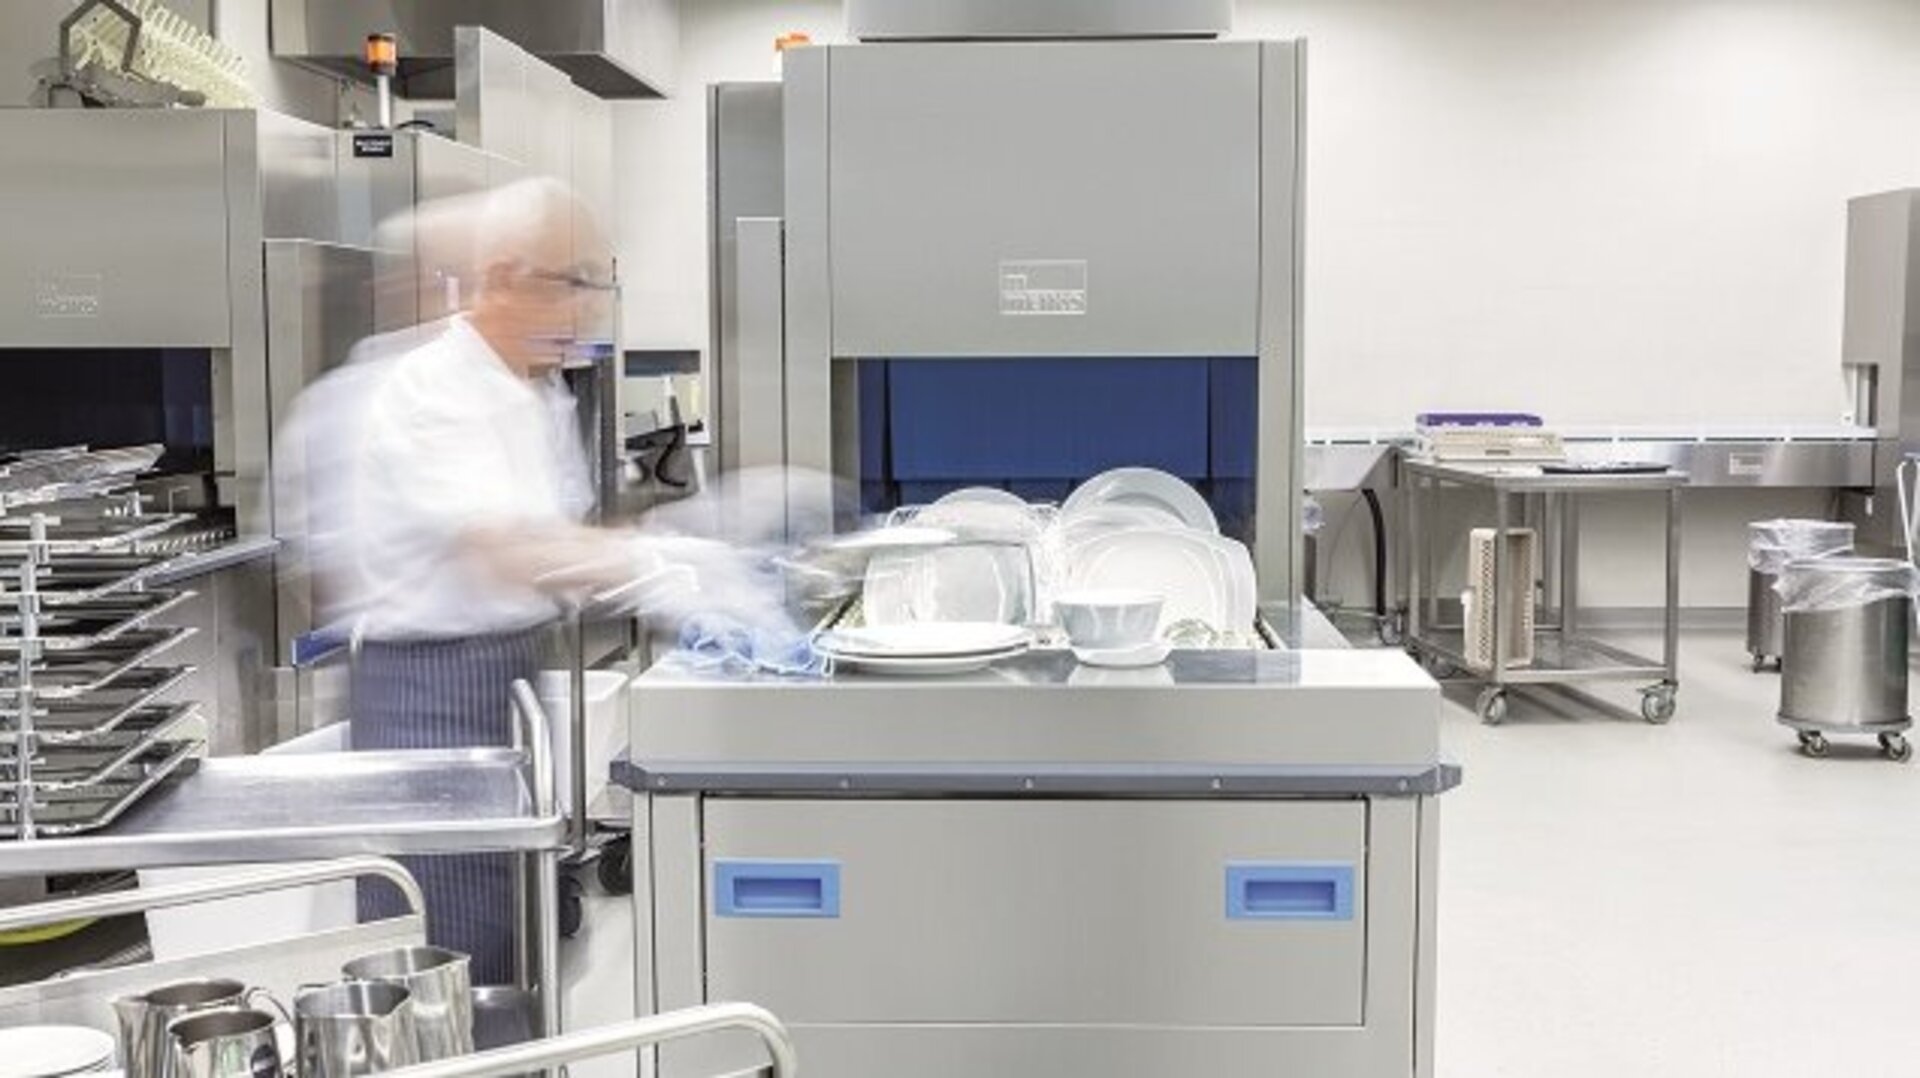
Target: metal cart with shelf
[{"x": 1564, "y": 654}]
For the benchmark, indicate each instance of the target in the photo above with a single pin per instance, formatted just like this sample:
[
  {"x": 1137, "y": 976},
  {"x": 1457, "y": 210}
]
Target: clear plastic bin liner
[
  {"x": 1811, "y": 585},
  {"x": 1771, "y": 544}
]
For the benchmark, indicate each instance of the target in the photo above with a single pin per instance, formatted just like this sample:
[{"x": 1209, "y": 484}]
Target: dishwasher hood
[{"x": 612, "y": 48}]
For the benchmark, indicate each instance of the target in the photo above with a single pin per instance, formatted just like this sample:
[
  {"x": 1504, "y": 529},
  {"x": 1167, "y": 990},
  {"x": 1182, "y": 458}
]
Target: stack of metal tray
[{"x": 87, "y": 723}]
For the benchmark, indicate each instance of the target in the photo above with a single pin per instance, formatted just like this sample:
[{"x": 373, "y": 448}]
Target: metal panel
[
  {"x": 445, "y": 169},
  {"x": 100, "y": 252},
  {"x": 809, "y": 302},
  {"x": 1107, "y": 913},
  {"x": 242, "y": 420},
  {"x": 1073, "y": 199},
  {"x": 679, "y": 943},
  {"x": 892, "y": 19},
  {"x": 1278, "y": 475},
  {"x": 744, "y": 180},
  {"x": 758, "y": 402},
  {"x": 299, "y": 178},
  {"x": 1347, "y": 709},
  {"x": 613, "y": 48}
]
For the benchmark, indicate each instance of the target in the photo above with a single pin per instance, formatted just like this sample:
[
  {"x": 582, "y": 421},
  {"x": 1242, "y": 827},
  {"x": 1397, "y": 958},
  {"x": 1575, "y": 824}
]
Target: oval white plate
[
  {"x": 50, "y": 1051},
  {"x": 1204, "y": 577},
  {"x": 1147, "y": 487},
  {"x": 924, "y": 640},
  {"x": 981, "y": 496},
  {"x": 929, "y": 667}
]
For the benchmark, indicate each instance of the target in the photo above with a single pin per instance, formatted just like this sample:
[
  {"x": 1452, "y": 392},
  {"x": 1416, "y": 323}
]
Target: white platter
[{"x": 1147, "y": 487}]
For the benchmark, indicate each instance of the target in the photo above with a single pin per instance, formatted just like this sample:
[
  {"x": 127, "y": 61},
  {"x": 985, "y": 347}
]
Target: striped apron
[{"x": 447, "y": 694}]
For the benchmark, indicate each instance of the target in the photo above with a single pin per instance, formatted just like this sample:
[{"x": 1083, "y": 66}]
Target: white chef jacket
[{"x": 430, "y": 435}]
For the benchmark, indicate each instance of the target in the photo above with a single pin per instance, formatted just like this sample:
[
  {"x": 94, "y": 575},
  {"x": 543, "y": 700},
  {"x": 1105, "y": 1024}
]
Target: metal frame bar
[
  {"x": 630, "y": 1035},
  {"x": 280, "y": 878}
]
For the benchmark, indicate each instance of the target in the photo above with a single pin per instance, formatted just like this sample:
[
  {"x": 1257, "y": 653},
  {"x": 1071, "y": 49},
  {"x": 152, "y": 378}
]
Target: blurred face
[{"x": 533, "y": 307}]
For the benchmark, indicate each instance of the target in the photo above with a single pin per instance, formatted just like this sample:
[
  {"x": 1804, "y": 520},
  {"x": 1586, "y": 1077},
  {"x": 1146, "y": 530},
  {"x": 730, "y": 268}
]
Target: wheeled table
[
  {"x": 1223, "y": 865},
  {"x": 1564, "y": 654}
]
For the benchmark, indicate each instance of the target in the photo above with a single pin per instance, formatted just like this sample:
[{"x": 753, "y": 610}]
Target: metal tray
[
  {"x": 63, "y": 721},
  {"x": 75, "y": 628},
  {"x": 76, "y": 812},
  {"x": 71, "y": 767},
  {"x": 66, "y": 675},
  {"x": 79, "y": 579},
  {"x": 86, "y": 535}
]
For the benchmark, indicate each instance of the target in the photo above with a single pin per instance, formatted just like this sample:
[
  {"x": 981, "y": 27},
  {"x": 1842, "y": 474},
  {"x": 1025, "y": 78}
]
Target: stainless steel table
[
  {"x": 1563, "y": 655},
  {"x": 250, "y": 809}
]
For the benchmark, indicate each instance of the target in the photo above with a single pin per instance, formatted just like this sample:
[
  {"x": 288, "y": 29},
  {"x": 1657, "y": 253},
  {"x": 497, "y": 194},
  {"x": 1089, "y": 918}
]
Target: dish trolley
[{"x": 1562, "y": 654}]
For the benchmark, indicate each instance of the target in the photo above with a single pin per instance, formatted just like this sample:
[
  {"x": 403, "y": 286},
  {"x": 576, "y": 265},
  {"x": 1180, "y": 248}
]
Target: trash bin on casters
[{"x": 1844, "y": 663}]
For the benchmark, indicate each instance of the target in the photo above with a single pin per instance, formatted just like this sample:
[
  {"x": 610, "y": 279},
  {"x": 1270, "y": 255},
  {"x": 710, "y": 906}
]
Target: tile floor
[{"x": 1620, "y": 899}]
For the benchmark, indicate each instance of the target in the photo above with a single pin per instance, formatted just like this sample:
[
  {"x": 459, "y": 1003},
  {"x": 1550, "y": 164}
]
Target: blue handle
[
  {"x": 1289, "y": 891},
  {"x": 776, "y": 888}
]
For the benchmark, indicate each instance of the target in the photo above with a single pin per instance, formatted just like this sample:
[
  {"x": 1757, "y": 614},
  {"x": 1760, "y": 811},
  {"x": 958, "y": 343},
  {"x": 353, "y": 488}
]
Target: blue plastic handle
[
  {"x": 776, "y": 888},
  {"x": 1289, "y": 891}
]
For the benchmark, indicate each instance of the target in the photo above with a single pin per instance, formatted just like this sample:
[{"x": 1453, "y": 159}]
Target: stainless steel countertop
[
  {"x": 297, "y": 807},
  {"x": 1523, "y": 478}
]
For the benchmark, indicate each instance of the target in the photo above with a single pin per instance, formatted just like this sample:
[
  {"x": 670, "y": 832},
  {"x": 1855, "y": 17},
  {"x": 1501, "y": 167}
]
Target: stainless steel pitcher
[
  {"x": 355, "y": 1028},
  {"x": 225, "y": 1044},
  {"x": 144, "y": 1018},
  {"x": 441, "y": 988}
]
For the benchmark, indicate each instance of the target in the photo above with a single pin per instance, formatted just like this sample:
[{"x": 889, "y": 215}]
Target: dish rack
[
  {"x": 85, "y": 728},
  {"x": 1486, "y": 591},
  {"x": 848, "y": 613}
]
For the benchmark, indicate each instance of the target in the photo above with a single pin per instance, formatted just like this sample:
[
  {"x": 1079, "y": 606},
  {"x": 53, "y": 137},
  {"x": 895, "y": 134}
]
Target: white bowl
[{"x": 1107, "y": 618}]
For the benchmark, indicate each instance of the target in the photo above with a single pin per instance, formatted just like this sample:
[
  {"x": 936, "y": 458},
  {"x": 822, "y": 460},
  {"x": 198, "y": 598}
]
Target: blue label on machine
[
  {"x": 776, "y": 888},
  {"x": 1289, "y": 891}
]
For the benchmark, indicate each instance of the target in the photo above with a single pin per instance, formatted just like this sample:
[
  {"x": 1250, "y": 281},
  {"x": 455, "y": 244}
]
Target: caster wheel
[
  {"x": 616, "y": 867},
  {"x": 1814, "y": 744},
  {"x": 1439, "y": 669},
  {"x": 1897, "y": 747},
  {"x": 1392, "y": 631},
  {"x": 571, "y": 911},
  {"x": 1759, "y": 663},
  {"x": 1492, "y": 706},
  {"x": 1656, "y": 705}
]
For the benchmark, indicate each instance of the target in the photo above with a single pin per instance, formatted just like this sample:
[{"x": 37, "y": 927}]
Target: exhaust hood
[{"x": 611, "y": 48}]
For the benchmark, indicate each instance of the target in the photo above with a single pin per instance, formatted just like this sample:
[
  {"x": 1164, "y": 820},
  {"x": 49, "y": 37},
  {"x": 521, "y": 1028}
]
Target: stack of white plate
[
  {"x": 55, "y": 1051},
  {"x": 926, "y": 648}
]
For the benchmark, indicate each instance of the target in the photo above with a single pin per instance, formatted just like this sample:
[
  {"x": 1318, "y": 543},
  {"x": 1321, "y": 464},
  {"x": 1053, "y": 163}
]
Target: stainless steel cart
[
  {"x": 250, "y": 809},
  {"x": 1562, "y": 653}
]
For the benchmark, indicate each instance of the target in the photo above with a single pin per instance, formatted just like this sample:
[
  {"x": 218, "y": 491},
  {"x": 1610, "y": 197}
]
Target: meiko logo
[
  {"x": 1044, "y": 286},
  {"x": 67, "y": 295}
]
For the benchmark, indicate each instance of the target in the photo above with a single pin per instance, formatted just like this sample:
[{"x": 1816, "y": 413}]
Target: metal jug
[
  {"x": 441, "y": 987},
  {"x": 144, "y": 1017},
  {"x": 354, "y": 1028},
  {"x": 225, "y": 1044}
]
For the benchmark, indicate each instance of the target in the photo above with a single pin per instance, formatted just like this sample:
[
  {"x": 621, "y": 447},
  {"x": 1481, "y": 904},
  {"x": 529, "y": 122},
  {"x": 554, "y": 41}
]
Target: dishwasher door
[{"x": 1209, "y": 914}]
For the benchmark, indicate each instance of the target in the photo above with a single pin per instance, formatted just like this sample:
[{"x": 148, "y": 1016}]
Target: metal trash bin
[
  {"x": 1844, "y": 663},
  {"x": 1771, "y": 544}
]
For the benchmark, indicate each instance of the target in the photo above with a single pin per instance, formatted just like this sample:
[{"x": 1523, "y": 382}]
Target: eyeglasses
[{"x": 572, "y": 279}]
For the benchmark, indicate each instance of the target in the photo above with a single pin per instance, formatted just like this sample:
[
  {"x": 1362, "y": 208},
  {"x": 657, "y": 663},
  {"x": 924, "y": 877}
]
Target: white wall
[
  {"x": 660, "y": 158},
  {"x": 1611, "y": 212}
]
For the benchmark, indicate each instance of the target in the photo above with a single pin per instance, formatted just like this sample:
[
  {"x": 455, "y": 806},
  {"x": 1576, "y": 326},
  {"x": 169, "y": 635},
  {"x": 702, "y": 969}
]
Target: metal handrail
[
  {"x": 117, "y": 903},
  {"x": 623, "y": 1036},
  {"x": 539, "y": 745}
]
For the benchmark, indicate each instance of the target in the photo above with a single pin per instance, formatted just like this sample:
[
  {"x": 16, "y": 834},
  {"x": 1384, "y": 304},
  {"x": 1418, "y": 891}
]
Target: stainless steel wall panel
[
  {"x": 874, "y": 20},
  {"x": 1071, "y": 199},
  {"x": 809, "y": 296},
  {"x": 299, "y": 179},
  {"x": 1278, "y": 546},
  {"x": 744, "y": 177},
  {"x": 242, "y": 420},
  {"x": 98, "y": 254},
  {"x": 1055, "y": 913},
  {"x": 758, "y": 400}
]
